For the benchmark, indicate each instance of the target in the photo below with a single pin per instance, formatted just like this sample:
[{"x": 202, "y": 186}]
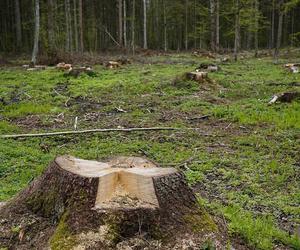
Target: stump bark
[
  {"x": 127, "y": 195},
  {"x": 200, "y": 76}
]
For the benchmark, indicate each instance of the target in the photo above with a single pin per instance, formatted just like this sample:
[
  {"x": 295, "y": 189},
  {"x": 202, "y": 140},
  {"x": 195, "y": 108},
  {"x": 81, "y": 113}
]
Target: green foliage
[{"x": 261, "y": 232}]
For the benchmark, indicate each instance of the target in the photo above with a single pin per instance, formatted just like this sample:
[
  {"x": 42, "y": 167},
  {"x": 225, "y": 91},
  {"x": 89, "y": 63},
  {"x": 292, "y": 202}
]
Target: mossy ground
[{"x": 245, "y": 158}]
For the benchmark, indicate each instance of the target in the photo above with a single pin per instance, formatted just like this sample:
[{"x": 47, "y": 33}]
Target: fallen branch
[
  {"x": 203, "y": 117},
  {"x": 88, "y": 131}
]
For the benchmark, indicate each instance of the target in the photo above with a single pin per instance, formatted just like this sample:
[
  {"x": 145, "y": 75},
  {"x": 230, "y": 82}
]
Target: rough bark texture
[{"x": 58, "y": 210}]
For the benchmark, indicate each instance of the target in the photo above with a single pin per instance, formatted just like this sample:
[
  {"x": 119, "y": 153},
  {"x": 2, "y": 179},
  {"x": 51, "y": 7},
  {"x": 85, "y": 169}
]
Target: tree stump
[
  {"x": 112, "y": 65},
  {"x": 200, "y": 76},
  {"x": 126, "y": 195}
]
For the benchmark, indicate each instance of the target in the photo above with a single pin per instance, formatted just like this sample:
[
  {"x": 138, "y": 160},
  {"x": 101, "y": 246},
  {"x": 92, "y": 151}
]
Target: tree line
[{"x": 92, "y": 25}]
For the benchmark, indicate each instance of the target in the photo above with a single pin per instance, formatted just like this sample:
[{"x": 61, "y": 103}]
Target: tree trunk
[
  {"x": 81, "y": 25},
  {"x": 75, "y": 25},
  {"x": 145, "y": 24},
  {"x": 237, "y": 30},
  {"x": 273, "y": 26},
  {"x": 120, "y": 14},
  {"x": 36, "y": 33},
  {"x": 51, "y": 25},
  {"x": 186, "y": 25},
  {"x": 133, "y": 27},
  {"x": 212, "y": 25},
  {"x": 217, "y": 25},
  {"x": 69, "y": 33},
  {"x": 279, "y": 33},
  {"x": 165, "y": 27},
  {"x": 256, "y": 6},
  {"x": 125, "y": 24},
  {"x": 292, "y": 27},
  {"x": 18, "y": 25}
]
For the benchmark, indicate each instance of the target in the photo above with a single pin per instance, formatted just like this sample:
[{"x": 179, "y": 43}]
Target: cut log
[
  {"x": 197, "y": 76},
  {"x": 126, "y": 195}
]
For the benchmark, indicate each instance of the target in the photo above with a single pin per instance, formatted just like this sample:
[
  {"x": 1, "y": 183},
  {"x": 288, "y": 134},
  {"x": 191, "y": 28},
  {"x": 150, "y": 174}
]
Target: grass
[{"x": 245, "y": 157}]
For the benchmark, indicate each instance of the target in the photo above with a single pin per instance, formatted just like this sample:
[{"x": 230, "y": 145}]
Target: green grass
[{"x": 245, "y": 157}]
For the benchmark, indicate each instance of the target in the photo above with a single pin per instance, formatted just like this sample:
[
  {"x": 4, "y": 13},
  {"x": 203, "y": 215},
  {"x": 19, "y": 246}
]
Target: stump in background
[{"x": 200, "y": 76}]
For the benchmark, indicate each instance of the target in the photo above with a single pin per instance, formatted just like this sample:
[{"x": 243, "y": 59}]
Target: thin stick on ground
[{"x": 89, "y": 131}]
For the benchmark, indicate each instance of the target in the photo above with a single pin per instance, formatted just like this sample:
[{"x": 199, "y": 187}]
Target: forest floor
[{"x": 243, "y": 162}]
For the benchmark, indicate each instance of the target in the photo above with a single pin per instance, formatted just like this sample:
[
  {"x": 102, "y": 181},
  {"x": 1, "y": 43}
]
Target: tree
[
  {"x": 217, "y": 25},
  {"x": 36, "y": 33},
  {"x": 256, "y": 27},
  {"x": 165, "y": 26},
  {"x": 212, "y": 25},
  {"x": 18, "y": 24},
  {"x": 125, "y": 24},
  {"x": 51, "y": 25},
  {"x": 120, "y": 15},
  {"x": 186, "y": 25},
  {"x": 145, "y": 24},
  {"x": 69, "y": 33},
  {"x": 237, "y": 29},
  {"x": 133, "y": 27},
  {"x": 279, "y": 31},
  {"x": 75, "y": 25},
  {"x": 81, "y": 25},
  {"x": 273, "y": 25}
]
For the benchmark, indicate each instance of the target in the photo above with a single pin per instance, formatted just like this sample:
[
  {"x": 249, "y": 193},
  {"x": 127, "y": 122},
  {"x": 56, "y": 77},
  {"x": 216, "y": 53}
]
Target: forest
[
  {"x": 150, "y": 124},
  {"x": 76, "y": 26}
]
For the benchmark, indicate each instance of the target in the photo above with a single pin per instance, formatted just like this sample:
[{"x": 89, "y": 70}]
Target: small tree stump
[
  {"x": 197, "y": 76},
  {"x": 112, "y": 65},
  {"x": 285, "y": 97},
  {"x": 64, "y": 66},
  {"x": 126, "y": 195}
]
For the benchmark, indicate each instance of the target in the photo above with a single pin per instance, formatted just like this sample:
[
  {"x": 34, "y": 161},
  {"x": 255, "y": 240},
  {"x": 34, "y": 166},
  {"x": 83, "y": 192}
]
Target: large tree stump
[{"x": 126, "y": 195}]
